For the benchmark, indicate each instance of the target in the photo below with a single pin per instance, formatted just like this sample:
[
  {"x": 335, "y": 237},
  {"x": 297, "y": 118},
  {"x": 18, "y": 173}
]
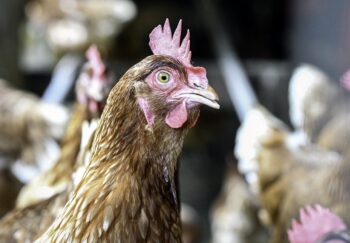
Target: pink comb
[
  {"x": 162, "y": 42},
  {"x": 345, "y": 80},
  {"x": 94, "y": 58},
  {"x": 314, "y": 223}
]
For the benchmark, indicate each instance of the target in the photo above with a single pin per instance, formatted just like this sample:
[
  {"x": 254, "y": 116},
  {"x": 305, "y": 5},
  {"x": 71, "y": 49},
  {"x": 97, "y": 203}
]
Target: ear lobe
[{"x": 149, "y": 115}]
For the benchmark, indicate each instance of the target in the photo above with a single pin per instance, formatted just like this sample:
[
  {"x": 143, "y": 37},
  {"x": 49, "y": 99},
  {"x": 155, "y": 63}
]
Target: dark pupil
[{"x": 163, "y": 77}]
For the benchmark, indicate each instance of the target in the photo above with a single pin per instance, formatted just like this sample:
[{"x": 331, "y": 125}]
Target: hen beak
[{"x": 203, "y": 96}]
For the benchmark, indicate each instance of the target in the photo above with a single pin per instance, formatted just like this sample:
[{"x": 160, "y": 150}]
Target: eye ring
[{"x": 163, "y": 77}]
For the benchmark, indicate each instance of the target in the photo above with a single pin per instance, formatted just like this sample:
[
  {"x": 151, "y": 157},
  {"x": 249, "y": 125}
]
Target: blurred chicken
[
  {"x": 26, "y": 124},
  {"x": 320, "y": 108},
  {"x": 41, "y": 200},
  {"x": 28, "y": 223},
  {"x": 72, "y": 25},
  {"x": 92, "y": 88},
  {"x": 128, "y": 192},
  {"x": 318, "y": 225},
  {"x": 291, "y": 173},
  {"x": 191, "y": 232},
  {"x": 28, "y": 129},
  {"x": 234, "y": 212}
]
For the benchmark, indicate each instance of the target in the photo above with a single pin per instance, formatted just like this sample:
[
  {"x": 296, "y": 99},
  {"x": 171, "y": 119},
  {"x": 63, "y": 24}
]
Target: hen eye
[{"x": 163, "y": 77}]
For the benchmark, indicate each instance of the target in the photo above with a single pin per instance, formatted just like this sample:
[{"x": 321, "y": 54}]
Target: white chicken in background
[
  {"x": 319, "y": 108},
  {"x": 291, "y": 173},
  {"x": 290, "y": 170}
]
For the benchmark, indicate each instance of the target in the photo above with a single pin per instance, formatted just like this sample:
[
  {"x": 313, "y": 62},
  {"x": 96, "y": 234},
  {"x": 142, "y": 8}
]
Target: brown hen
[
  {"x": 26, "y": 124},
  {"x": 92, "y": 88},
  {"x": 291, "y": 172},
  {"x": 128, "y": 191}
]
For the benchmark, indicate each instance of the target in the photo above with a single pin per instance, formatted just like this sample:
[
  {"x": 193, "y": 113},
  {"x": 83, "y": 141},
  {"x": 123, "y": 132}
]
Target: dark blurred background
[{"x": 270, "y": 37}]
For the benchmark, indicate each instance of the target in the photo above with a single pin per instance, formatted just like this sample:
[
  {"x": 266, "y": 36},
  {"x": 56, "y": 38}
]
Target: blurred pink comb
[
  {"x": 314, "y": 223},
  {"x": 94, "y": 58},
  {"x": 162, "y": 42},
  {"x": 345, "y": 80}
]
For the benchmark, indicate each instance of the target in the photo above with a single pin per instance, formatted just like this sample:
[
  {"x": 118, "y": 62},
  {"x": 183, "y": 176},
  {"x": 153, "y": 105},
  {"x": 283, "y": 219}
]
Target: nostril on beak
[{"x": 198, "y": 84}]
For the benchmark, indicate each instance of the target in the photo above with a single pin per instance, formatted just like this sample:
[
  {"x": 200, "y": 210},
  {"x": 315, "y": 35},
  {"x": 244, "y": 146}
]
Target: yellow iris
[{"x": 163, "y": 77}]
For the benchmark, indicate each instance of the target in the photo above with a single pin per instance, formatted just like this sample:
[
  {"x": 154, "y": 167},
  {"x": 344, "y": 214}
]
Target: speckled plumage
[{"x": 125, "y": 194}]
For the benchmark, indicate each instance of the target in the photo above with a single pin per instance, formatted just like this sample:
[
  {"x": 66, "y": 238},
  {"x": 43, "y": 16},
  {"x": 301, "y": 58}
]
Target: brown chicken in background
[
  {"x": 234, "y": 212},
  {"x": 128, "y": 192},
  {"x": 291, "y": 172},
  {"x": 320, "y": 108},
  {"x": 41, "y": 200},
  {"x": 28, "y": 128},
  {"x": 26, "y": 124},
  {"x": 92, "y": 88}
]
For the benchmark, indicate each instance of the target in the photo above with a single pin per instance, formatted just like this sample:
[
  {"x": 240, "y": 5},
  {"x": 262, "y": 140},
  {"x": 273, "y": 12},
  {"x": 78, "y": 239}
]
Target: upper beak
[{"x": 204, "y": 96}]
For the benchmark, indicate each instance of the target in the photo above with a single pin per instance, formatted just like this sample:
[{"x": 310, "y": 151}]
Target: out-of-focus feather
[
  {"x": 56, "y": 178},
  {"x": 234, "y": 213},
  {"x": 293, "y": 173},
  {"x": 191, "y": 232},
  {"x": 320, "y": 108},
  {"x": 26, "y": 123},
  {"x": 28, "y": 223}
]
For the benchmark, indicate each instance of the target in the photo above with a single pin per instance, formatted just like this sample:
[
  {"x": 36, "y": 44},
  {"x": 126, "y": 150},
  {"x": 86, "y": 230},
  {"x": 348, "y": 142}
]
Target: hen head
[
  {"x": 170, "y": 87},
  {"x": 93, "y": 84}
]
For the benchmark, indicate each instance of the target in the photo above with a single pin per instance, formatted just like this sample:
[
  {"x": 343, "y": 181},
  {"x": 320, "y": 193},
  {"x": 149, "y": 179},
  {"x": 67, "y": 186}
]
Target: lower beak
[{"x": 203, "y": 96}]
